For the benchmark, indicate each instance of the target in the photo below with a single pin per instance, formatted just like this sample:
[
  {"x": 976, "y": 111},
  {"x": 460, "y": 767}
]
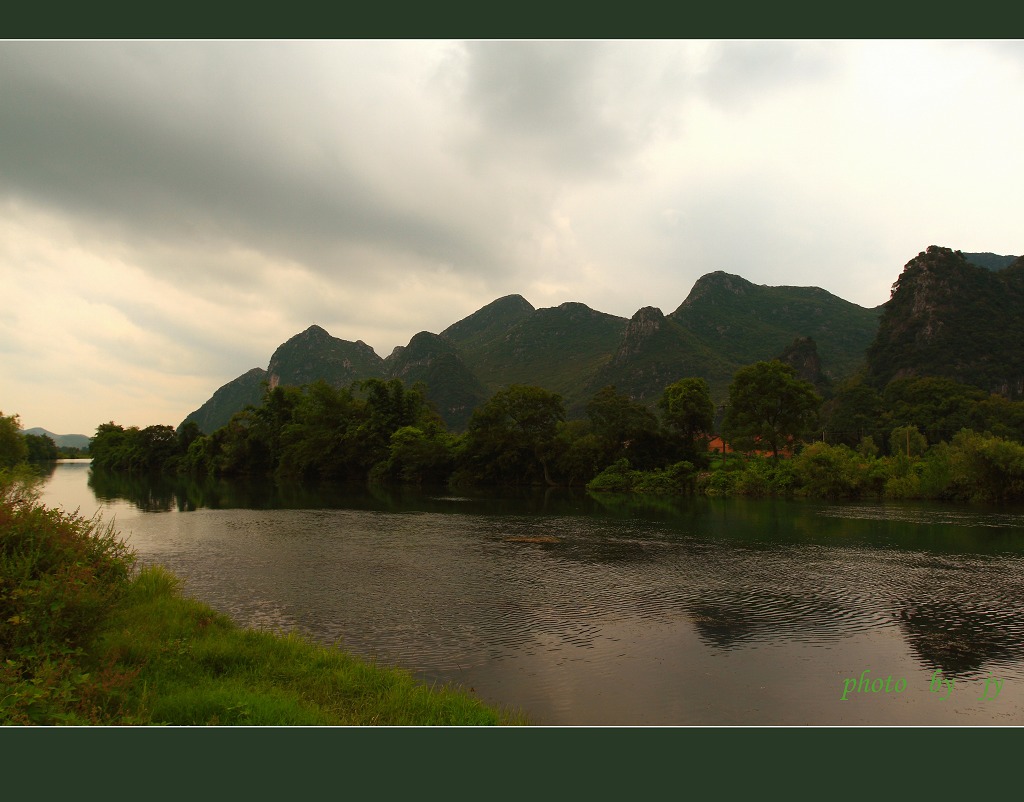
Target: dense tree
[
  {"x": 13, "y": 448},
  {"x": 686, "y": 407},
  {"x": 769, "y": 406},
  {"x": 907, "y": 441},
  {"x": 1000, "y": 416},
  {"x": 831, "y": 471},
  {"x": 985, "y": 468},
  {"x": 581, "y": 453},
  {"x": 390, "y": 406},
  {"x": 853, "y": 413},
  {"x": 319, "y": 440},
  {"x": 938, "y": 406},
  {"x": 154, "y": 448},
  {"x": 109, "y": 446},
  {"x": 264, "y": 426},
  {"x": 624, "y": 428},
  {"x": 418, "y": 456},
  {"x": 322, "y": 431},
  {"x": 187, "y": 433},
  {"x": 41, "y": 448},
  {"x": 512, "y": 437}
]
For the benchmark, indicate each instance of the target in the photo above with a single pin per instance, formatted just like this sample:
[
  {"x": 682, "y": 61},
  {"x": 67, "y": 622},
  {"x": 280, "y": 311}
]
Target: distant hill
[
  {"x": 950, "y": 314},
  {"x": 952, "y": 318},
  {"x": 558, "y": 348},
  {"x": 453, "y": 388},
  {"x": 314, "y": 354},
  {"x": 725, "y": 322},
  {"x": 230, "y": 398},
  {"x": 652, "y": 352},
  {"x": 742, "y": 321},
  {"x": 474, "y": 333},
  {"x": 802, "y": 354},
  {"x": 990, "y": 261},
  {"x": 61, "y": 440}
]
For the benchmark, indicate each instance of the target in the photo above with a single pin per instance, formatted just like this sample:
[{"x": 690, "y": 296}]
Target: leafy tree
[
  {"x": 1000, "y": 416},
  {"x": 769, "y": 405},
  {"x": 581, "y": 453},
  {"x": 41, "y": 448},
  {"x": 390, "y": 406},
  {"x": 155, "y": 448},
  {"x": 188, "y": 433},
  {"x": 512, "y": 437},
  {"x": 939, "y": 407},
  {"x": 854, "y": 412},
  {"x": 321, "y": 439},
  {"x": 624, "y": 428},
  {"x": 675, "y": 480},
  {"x": 265, "y": 425},
  {"x": 908, "y": 442},
  {"x": 417, "y": 456},
  {"x": 13, "y": 449},
  {"x": 686, "y": 406},
  {"x": 831, "y": 471},
  {"x": 109, "y": 446},
  {"x": 986, "y": 468}
]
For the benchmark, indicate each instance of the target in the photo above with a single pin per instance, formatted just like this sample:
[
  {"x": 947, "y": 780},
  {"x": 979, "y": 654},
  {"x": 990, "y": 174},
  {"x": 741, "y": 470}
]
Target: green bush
[
  {"x": 985, "y": 468},
  {"x": 675, "y": 480},
  {"x": 59, "y": 575},
  {"x": 616, "y": 478},
  {"x": 832, "y": 472},
  {"x": 762, "y": 477},
  {"x": 718, "y": 483},
  {"x": 907, "y": 486}
]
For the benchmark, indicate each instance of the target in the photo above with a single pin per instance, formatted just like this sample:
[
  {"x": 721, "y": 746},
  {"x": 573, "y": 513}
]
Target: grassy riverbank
[{"x": 87, "y": 638}]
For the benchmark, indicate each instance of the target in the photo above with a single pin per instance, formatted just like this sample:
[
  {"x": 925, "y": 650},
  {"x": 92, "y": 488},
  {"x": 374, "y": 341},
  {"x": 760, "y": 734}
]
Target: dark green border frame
[
  {"x": 531, "y": 20},
  {"x": 464, "y": 762},
  {"x": 471, "y": 763}
]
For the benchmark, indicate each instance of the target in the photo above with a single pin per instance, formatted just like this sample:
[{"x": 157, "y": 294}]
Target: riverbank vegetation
[
  {"x": 88, "y": 637},
  {"x": 775, "y": 434}
]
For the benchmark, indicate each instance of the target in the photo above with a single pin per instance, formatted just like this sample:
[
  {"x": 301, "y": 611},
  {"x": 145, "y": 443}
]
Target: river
[{"x": 613, "y": 611}]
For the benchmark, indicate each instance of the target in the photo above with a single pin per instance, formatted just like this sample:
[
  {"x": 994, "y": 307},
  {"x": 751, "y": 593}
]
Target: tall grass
[{"x": 59, "y": 575}]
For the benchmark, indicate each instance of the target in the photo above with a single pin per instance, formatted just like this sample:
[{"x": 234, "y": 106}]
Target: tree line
[
  {"x": 848, "y": 445},
  {"x": 17, "y": 447}
]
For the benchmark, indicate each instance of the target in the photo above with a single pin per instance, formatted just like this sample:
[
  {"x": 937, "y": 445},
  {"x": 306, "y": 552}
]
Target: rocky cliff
[{"x": 951, "y": 318}]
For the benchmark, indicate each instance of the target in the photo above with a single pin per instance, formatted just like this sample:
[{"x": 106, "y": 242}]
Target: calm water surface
[{"x": 614, "y": 612}]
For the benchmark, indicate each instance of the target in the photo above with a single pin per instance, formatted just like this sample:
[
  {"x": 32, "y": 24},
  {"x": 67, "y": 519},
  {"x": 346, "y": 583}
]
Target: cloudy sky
[{"x": 171, "y": 212}]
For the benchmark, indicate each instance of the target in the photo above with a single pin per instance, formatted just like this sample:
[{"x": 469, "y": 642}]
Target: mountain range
[
  {"x": 61, "y": 440},
  {"x": 724, "y": 323}
]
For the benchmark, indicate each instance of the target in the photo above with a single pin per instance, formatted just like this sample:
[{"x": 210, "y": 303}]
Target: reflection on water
[{"x": 612, "y": 610}]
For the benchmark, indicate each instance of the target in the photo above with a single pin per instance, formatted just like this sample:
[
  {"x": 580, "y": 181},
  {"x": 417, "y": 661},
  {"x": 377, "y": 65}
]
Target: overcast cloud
[{"x": 171, "y": 212}]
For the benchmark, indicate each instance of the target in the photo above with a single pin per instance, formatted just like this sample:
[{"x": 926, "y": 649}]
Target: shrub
[
  {"x": 986, "y": 468},
  {"x": 675, "y": 480},
  {"x": 826, "y": 471},
  {"x": 616, "y": 478},
  {"x": 907, "y": 486},
  {"x": 762, "y": 477},
  {"x": 718, "y": 483},
  {"x": 59, "y": 574}
]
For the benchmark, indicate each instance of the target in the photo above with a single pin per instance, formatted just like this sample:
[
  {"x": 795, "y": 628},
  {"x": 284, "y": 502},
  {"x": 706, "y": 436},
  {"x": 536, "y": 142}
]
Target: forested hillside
[{"x": 573, "y": 350}]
